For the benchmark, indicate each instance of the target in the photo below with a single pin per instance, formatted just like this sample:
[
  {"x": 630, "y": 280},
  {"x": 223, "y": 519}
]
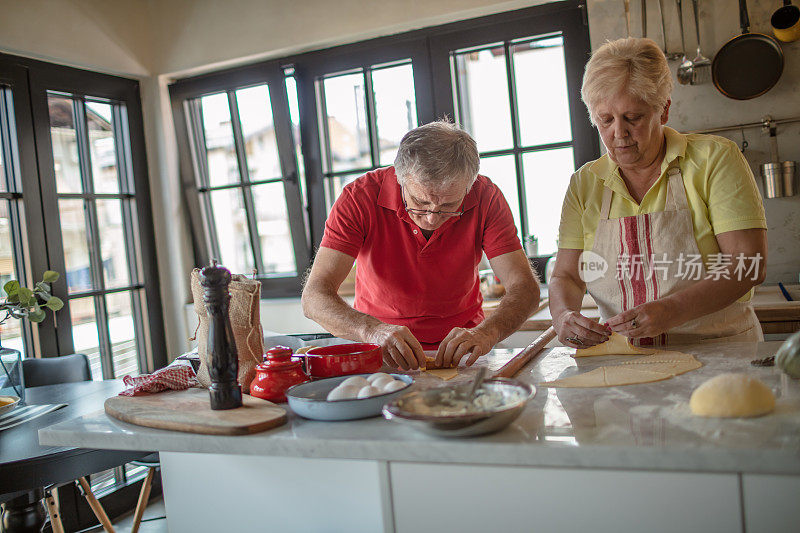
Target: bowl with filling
[{"x": 446, "y": 412}]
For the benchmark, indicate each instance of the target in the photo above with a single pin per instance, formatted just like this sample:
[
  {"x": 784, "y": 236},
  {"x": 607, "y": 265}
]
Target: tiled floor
[{"x": 155, "y": 508}]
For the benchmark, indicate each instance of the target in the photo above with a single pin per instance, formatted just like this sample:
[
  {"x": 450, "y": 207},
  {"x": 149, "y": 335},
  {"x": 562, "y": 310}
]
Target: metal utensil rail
[{"x": 764, "y": 123}]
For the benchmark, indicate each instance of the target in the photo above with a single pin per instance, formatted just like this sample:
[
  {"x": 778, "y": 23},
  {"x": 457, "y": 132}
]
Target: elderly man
[{"x": 418, "y": 231}]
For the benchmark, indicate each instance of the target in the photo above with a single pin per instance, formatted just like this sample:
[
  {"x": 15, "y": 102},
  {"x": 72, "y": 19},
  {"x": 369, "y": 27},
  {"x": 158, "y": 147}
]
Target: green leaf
[
  {"x": 25, "y": 296},
  {"x": 13, "y": 298},
  {"x": 42, "y": 287},
  {"x": 37, "y": 315},
  {"x": 55, "y": 303},
  {"x": 43, "y": 295},
  {"x": 11, "y": 287},
  {"x": 50, "y": 276}
]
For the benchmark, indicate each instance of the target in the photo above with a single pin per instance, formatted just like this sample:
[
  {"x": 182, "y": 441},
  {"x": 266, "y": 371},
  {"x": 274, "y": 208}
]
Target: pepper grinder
[{"x": 224, "y": 390}]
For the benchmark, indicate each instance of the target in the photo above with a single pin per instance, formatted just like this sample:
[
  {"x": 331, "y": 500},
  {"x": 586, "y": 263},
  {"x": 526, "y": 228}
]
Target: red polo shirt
[{"x": 429, "y": 285}]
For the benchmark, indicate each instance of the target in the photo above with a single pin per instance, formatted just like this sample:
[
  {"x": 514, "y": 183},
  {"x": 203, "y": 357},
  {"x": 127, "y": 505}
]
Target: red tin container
[
  {"x": 343, "y": 359},
  {"x": 276, "y": 374}
]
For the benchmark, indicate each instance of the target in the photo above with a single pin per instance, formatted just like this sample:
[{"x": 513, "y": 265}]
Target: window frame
[
  {"x": 184, "y": 95},
  {"x": 429, "y": 49},
  {"x": 32, "y": 81}
]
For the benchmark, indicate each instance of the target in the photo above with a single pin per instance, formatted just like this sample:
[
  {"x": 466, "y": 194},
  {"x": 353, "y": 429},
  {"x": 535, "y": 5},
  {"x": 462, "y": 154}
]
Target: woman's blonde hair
[{"x": 634, "y": 66}]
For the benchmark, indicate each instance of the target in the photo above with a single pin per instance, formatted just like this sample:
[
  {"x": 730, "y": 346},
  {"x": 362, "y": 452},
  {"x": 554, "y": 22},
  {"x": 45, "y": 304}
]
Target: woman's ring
[{"x": 574, "y": 340}]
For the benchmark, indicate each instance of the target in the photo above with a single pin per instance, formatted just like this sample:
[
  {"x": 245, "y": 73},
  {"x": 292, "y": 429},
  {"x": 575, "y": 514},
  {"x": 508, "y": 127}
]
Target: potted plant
[{"x": 22, "y": 302}]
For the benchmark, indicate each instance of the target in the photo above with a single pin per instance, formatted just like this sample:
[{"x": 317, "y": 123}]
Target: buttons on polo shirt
[{"x": 416, "y": 231}]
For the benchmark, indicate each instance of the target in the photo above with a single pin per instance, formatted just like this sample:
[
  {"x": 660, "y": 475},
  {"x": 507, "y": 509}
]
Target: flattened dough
[
  {"x": 616, "y": 345},
  {"x": 656, "y": 367},
  {"x": 441, "y": 373}
]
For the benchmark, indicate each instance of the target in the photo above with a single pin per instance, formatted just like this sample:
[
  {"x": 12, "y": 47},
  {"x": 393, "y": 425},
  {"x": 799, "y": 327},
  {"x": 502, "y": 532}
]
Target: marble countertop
[{"x": 636, "y": 427}]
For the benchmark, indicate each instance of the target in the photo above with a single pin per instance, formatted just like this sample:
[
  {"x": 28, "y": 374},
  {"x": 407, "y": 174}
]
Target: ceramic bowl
[
  {"x": 462, "y": 425},
  {"x": 343, "y": 360},
  {"x": 308, "y": 400},
  {"x": 7, "y": 403}
]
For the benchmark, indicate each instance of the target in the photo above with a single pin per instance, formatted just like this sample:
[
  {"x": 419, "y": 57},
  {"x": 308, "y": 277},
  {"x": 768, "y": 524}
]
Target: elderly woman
[{"x": 666, "y": 231}]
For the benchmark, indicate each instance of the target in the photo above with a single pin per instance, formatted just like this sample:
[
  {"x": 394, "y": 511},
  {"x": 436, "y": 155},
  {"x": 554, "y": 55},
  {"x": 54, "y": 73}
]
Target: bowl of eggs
[{"x": 346, "y": 397}]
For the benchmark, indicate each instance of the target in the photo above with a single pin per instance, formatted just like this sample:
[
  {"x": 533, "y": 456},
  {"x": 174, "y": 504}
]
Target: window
[
  {"x": 11, "y": 216},
  {"x": 243, "y": 150},
  {"x": 364, "y": 114},
  {"x": 75, "y": 199},
  {"x": 512, "y": 80},
  {"x": 512, "y": 97}
]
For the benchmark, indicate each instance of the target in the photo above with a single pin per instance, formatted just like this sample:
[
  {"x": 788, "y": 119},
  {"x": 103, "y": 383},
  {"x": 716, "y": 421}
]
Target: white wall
[{"x": 96, "y": 34}]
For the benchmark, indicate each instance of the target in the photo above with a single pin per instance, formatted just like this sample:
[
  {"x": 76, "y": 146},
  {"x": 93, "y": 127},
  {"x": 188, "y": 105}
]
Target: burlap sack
[{"x": 245, "y": 320}]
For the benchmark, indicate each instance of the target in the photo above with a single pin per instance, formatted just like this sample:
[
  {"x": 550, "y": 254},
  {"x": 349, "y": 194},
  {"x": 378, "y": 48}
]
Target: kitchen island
[{"x": 627, "y": 458}]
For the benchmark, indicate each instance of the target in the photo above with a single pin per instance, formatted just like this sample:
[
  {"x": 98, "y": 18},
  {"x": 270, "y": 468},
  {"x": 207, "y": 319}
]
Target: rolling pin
[{"x": 516, "y": 363}]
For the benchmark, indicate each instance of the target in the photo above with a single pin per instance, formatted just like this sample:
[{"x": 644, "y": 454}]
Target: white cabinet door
[
  {"x": 771, "y": 503},
  {"x": 464, "y": 498},
  {"x": 237, "y": 493}
]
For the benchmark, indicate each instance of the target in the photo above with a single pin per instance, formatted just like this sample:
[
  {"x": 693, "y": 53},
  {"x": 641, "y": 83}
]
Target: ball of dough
[{"x": 732, "y": 395}]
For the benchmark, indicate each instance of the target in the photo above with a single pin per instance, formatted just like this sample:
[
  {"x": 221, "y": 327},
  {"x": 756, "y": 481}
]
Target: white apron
[{"x": 652, "y": 244}]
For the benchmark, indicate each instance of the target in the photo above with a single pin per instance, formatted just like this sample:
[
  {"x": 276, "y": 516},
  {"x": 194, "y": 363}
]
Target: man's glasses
[{"x": 423, "y": 212}]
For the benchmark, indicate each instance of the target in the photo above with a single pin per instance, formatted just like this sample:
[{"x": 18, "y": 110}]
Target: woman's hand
[
  {"x": 577, "y": 331},
  {"x": 647, "y": 320}
]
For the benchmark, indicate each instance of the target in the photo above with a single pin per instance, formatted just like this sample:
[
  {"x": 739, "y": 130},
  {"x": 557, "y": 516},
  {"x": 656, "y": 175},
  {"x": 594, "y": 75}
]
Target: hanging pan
[{"x": 748, "y": 65}]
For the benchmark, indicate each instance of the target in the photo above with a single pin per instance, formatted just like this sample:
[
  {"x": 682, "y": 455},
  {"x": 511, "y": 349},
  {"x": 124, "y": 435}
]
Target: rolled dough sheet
[
  {"x": 616, "y": 345},
  {"x": 657, "y": 367},
  {"x": 441, "y": 373}
]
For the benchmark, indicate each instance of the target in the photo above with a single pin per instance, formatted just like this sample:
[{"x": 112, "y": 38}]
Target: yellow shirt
[{"x": 720, "y": 189}]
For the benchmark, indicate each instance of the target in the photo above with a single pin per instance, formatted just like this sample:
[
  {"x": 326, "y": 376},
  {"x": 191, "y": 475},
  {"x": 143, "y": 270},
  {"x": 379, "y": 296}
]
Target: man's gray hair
[{"x": 437, "y": 154}]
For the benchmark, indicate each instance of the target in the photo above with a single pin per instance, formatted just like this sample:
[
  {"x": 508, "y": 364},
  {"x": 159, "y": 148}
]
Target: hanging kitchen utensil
[
  {"x": 685, "y": 68},
  {"x": 644, "y": 18},
  {"x": 771, "y": 172},
  {"x": 701, "y": 65},
  {"x": 786, "y": 22},
  {"x": 748, "y": 65},
  {"x": 663, "y": 30},
  {"x": 627, "y": 17}
]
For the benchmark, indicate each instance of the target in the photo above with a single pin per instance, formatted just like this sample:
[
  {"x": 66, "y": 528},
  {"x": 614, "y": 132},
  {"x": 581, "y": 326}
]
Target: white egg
[
  {"x": 355, "y": 381},
  {"x": 347, "y": 392},
  {"x": 382, "y": 381},
  {"x": 368, "y": 392},
  {"x": 394, "y": 385},
  {"x": 378, "y": 375}
]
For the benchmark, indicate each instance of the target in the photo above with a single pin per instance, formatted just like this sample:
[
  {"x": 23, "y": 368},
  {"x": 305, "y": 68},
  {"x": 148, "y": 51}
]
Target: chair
[
  {"x": 53, "y": 370},
  {"x": 70, "y": 369}
]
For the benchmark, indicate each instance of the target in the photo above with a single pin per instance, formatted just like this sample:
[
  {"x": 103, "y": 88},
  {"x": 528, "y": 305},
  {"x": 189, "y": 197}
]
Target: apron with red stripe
[{"x": 647, "y": 260}]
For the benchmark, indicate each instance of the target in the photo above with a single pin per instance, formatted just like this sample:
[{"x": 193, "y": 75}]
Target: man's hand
[
  {"x": 578, "y": 331},
  {"x": 646, "y": 320},
  {"x": 400, "y": 348},
  {"x": 461, "y": 341}
]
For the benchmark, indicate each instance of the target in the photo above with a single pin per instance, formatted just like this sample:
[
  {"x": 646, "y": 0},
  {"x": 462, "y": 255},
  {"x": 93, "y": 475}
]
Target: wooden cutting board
[{"x": 189, "y": 410}]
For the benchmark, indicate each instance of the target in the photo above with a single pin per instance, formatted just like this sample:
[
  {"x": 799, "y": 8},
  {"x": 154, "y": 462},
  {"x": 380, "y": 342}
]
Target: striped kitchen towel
[{"x": 24, "y": 413}]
